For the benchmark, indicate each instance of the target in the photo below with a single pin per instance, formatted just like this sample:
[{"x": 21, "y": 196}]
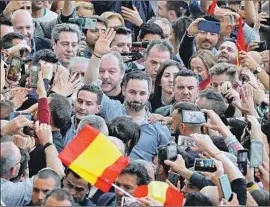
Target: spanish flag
[
  {"x": 240, "y": 41},
  {"x": 212, "y": 7},
  {"x": 93, "y": 157},
  {"x": 161, "y": 192}
]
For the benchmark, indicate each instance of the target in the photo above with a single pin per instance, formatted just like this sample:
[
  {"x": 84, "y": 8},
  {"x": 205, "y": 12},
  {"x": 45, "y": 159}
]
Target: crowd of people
[{"x": 169, "y": 83}]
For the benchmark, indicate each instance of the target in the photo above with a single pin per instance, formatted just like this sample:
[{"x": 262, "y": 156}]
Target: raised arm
[
  {"x": 102, "y": 47},
  {"x": 250, "y": 13}
]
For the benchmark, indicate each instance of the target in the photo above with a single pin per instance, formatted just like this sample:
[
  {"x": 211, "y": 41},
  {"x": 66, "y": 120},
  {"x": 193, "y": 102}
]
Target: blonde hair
[{"x": 110, "y": 15}]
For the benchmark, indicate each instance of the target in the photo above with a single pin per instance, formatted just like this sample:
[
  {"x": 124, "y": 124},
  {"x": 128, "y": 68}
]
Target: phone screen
[
  {"x": 256, "y": 153},
  {"x": 242, "y": 159},
  {"x": 262, "y": 46},
  {"x": 209, "y": 26},
  {"x": 173, "y": 178},
  {"x": 171, "y": 152},
  {"x": 14, "y": 114},
  {"x": 193, "y": 117},
  {"x": 225, "y": 186},
  {"x": 127, "y": 4},
  {"x": 186, "y": 141},
  {"x": 126, "y": 201},
  {"x": 33, "y": 75},
  {"x": 14, "y": 69},
  {"x": 204, "y": 165}
]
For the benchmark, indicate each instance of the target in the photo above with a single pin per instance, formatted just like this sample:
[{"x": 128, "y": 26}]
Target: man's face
[
  {"x": 122, "y": 42},
  {"x": 52, "y": 201},
  {"x": 40, "y": 188},
  {"x": 165, "y": 28},
  {"x": 66, "y": 47},
  {"x": 188, "y": 188},
  {"x": 186, "y": 89},
  {"x": 161, "y": 9},
  {"x": 85, "y": 104},
  {"x": 149, "y": 37},
  {"x": 153, "y": 61},
  {"x": 136, "y": 94},
  {"x": 79, "y": 68},
  {"x": 92, "y": 35},
  {"x": 206, "y": 40},
  {"x": 227, "y": 53},
  {"x": 23, "y": 24},
  {"x": 27, "y": 6},
  {"x": 77, "y": 187},
  {"x": 218, "y": 80},
  {"x": 110, "y": 74},
  {"x": 37, "y": 5},
  {"x": 128, "y": 183}
]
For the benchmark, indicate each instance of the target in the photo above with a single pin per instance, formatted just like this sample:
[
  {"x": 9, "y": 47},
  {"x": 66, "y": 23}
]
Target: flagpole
[{"x": 123, "y": 191}]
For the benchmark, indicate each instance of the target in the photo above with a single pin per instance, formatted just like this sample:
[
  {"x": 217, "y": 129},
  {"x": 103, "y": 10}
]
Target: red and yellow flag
[
  {"x": 240, "y": 41},
  {"x": 212, "y": 7},
  {"x": 93, "y": 157},
  {"x": 162, "y": 192}
]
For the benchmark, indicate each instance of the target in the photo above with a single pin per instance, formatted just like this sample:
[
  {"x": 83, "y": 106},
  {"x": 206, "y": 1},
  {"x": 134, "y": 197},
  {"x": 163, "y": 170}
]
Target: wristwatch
[
  {"x": 257, "y": 70},
  {"x": 47, "y": 145}
]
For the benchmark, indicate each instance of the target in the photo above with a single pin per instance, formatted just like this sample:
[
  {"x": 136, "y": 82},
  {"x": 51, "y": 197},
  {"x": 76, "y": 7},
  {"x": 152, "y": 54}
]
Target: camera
[
  {"x": 169, "y": 150},
  {"x": 143, "y": 44},
  {"x": 204, "y": 165},
  {"x": 84, "y": 22}
]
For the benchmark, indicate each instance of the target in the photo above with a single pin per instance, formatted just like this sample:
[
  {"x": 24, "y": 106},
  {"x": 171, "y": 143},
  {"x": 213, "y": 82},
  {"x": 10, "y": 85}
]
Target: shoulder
[
  {"x": 106, "y": 199},
  {"x": 164, "y": 110}
]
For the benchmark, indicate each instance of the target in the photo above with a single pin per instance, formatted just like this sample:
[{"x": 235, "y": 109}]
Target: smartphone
[
  {"x": 209, "y": 26},
  {"x": 193, "y": 117},
  {"x": 127, "y": 201},
  {"x": 33, "y": 74},
  {"x": 14, "y": 69},
  {"x": 14, "y": 114},
  {"x": 171, "y": 151},
  {"x": 204, "y": 165},
  {"x": 242, "y": 160},
  {"x": 90, "y": 23},
  {"x": 173, "y": 178},
  {"x": 225, "y": 186},
  {"x": 256, "y": 153},
  {"x": 262, "y": 46},
  {"x": 127, "y": 4},
  {"x": 186, "y": 141},
  {"x": 267, "y": 22}
]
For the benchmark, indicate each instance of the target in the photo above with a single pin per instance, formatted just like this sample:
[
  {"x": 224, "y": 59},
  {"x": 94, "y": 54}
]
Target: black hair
[
  {"x": 185, "y": 73},
  {"x": 125, "y": 129},
  {"x": 47, "y": 173},
  {"x": 197, "y": 199},
  {"x": 138, "y": 75},
  {"x": 5, "y": 21},
  {"x": 122, "y": 30},
  {"x": 136, "y": 169},
  {"x": 237, "y": 127},
  {"x": 219, "y": 142},
  {"x": 45, "y": 55},
  {"x": 150, "y": 28},
  {"x": 179, "y": 7},
  {"x": 6, "y": 41},
  {"x": 68, "y": 171},
  {"x": 155, "y": 99},
  {"x": 60, "y": 110},
  {"x": 93, "y": 89}
]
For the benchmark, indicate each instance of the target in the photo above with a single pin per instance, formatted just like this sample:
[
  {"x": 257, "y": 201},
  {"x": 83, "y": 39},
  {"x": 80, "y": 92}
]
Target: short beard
[{"x": 134, "y": 107}]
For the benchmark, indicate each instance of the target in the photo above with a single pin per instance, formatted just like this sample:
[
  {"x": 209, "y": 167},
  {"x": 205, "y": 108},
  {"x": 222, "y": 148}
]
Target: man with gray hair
[
  {"x": 111, "y": 74},
  {"x": 65, "y": 39},
  {"x": 157, "y": 52},
  {"x": 22, "y": 22},
  {"x": 94, "y": 121},
  {"x": 58, "y": 197},
  {"x": 78, "y": 65}
]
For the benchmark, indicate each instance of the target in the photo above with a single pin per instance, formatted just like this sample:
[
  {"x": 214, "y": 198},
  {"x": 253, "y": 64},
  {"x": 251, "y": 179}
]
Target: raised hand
[
  {"x": 41, "y": 91},
  {"x": 261, "y": 17},
  {"x": 19, "y": 96},
  {"x": 102, "y": 45},
  {"x": 132, "y": 15},
  {"x": 44, "y": 133},
  {"x": 193, "y": 27}
]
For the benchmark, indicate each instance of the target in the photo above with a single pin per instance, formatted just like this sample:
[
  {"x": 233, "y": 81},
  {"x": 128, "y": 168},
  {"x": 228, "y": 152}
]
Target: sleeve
[
  {"x": 200, "y": 181},
  {"x": 233, "y": 145},
  {"x": 250, "y": 34},
  {"x": 43, "y": 114},
  {"x": 186, "y": 49},
  {"x": 239, "y": 187},
  {"x": 58, "y": 143},
  {"x": 164, "y": 135},
  {"x": 17, "y": 194},
  {"x": 108, "y": 106},
  {"x": 47, "y": 27}
]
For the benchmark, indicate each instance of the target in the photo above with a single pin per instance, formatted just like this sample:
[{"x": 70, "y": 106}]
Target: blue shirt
[
  {"x": 152, "y": 135},
  {"x": 71, "y": 132}
]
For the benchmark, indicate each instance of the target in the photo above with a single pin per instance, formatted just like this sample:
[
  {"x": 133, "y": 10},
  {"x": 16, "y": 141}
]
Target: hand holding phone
[
  {"x": 173, "y": 178},
  {"x": 14, "y": 69},
  {"x": 225, "y": 186},
  {"x": 242, "y": 161},
  {"x": 33, "y": 74},
  {"x": 204, "y": 165},
  {"x": 256, "y": 153},
  {"x": 193, "y": 117}
]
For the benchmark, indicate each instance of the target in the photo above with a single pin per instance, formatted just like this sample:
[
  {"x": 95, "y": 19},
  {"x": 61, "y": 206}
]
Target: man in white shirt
[{"x": 40, "y": 13}]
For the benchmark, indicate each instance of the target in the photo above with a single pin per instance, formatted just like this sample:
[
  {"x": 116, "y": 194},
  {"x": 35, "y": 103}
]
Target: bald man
[{"x": 23, "y": 23}]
